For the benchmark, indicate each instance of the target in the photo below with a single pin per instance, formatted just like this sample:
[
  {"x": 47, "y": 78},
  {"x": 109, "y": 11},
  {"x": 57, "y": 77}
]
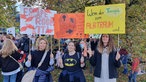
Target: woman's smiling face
[{"x": 42, "y": 45}]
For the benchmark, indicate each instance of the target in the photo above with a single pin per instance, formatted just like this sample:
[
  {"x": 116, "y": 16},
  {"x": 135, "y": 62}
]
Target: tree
[
  {"x": 133, "y": 40},
  {"x": 7, "y": 10}
]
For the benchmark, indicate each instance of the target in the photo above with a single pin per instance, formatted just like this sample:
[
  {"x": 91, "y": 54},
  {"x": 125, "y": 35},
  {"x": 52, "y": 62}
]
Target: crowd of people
[{"x": 104, "y": 58}]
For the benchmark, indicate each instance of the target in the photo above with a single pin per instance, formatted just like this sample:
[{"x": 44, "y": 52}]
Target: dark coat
[{"x": 96, "y": 61}]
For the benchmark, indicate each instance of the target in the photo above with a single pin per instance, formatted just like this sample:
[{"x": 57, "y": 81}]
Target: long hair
[
  {"x": 8, "y": 48},
  {"x": 110, "y": 45},
  {"x": 38, "y": 41}
]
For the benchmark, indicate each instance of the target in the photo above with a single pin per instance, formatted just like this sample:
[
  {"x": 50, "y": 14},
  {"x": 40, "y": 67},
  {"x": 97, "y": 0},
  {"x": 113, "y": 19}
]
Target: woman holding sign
[
  {"x": 105, "y": 59},
  {"x": 43, "y": 71},
  {"x": 72, "y": 64}
]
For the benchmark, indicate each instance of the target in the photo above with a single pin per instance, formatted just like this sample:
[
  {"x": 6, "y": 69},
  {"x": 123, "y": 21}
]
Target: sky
[{"x": 18, "y": 6}]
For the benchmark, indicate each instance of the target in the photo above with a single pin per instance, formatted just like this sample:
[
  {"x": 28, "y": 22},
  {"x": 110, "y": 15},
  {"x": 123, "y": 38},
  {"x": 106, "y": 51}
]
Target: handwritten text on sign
[
  {"x": 105, "y": 19},
  {"x": 36, "y": 21}
]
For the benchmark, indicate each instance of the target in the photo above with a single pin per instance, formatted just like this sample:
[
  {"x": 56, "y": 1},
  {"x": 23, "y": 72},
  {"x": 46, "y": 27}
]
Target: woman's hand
[
  {"x": 22, "y": 52},
  {"x": 90, "y": 52},
  {"x": 28, "y": 62},
  {"x": 60, "y": 62},
  {"x": 29, "y": 57},
  {"x": 51, "y": 56},
  {"x": 51, "y": 59},
  {"x": 118, "y": 56},
  {"x": 82, "y": 61}
]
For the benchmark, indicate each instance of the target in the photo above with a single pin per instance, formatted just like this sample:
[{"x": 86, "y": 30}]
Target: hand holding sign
[
  {"x": 82, "y": 61},
  {"x": 29, "y": 57},
  {"x": 118, "y": 56},
  {"x": 90, "y": 52},
  {"x": 60, "y": 62},
  {"x": 51, "y": 56}
]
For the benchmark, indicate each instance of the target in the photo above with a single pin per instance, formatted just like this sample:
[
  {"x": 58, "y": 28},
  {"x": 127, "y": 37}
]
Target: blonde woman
[
  {"x": 105, "y": 59},
  {"x": 9, "y": 66},
  {"x": 42, "y": 74}
]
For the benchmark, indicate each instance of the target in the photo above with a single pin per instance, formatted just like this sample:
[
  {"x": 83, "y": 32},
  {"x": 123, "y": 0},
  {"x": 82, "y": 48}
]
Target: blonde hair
[
  {"x": 38, "y": 41},
  {"x": 8, "y": 48},
  {"x": 110, "y": 45}
]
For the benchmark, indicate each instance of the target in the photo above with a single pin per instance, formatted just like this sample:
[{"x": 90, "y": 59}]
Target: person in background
[
  {"x": 134, "y": 70},
  {"x": 84, "y": 47},
  {"x": 43, "y": 72},
  {"x": 124, "y": 58},
  {"x": 3, "y": 38},
  {"x": 105, "y": 59},
  {"x": 6, "y": 37},
  {"x": 93, "y": 43},
  {"x": 72, "y": 64},
  {"x": 58, "y": 55},
  {"x": 78, "y": 46},
  {"x": 107, "y": 2},
  {"x": 20, "y": 73},
  {"x": 24, "y": 44},
  {"x": 8, "y": 56}
]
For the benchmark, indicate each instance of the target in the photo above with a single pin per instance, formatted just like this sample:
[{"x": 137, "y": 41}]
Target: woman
[
  {"x": 134, "y": 70},
  {"x": 105, "y": 59},
  {"x": 9, "y": 56},
  {"x": 43, "y": 73},
  {"x": 72, "y": 64}
]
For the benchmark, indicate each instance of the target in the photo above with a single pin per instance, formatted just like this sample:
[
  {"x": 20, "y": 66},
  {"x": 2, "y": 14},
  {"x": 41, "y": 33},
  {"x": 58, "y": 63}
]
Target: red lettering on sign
[
  {"x": 91, "y": 26},
  {"x": 105, "y": 24}
]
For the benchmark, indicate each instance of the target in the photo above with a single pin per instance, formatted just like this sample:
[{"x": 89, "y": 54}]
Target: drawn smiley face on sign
[{"x": 67, "y": 24}]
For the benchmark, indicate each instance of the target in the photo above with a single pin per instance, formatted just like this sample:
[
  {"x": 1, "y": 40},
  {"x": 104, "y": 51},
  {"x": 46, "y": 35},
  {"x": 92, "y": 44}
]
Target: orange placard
[{"x": 69, "y": 26}]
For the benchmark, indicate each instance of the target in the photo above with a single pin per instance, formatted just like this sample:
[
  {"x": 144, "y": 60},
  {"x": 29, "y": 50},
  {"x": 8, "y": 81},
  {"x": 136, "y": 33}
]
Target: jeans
[
  {"x": 124, "y": 62},
  {"x": 19, "y": 76},
  {"x": 41, "y": 78},
  {"x": 10, "y": 78},
  {"x": 125, "y": 71},
  {"x": 132, "y": 77}
]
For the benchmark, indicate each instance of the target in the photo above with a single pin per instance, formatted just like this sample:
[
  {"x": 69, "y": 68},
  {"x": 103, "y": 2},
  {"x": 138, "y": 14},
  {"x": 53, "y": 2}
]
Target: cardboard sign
[
  {"x": 105, "y": 19},
  {"x": 11, "y": 31},
  {"x": 69, "y": 26},
  {"x": 36, "y": 21}
]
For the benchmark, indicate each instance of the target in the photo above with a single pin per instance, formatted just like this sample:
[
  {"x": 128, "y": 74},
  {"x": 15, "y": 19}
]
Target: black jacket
[
  {"x": 24, "y": 44},
  {"x": 96, "y": 61},
  {"x": 94, "y": 45},
  {"x": 8, "y": 64},
  {"x": 36, "y": 58}
]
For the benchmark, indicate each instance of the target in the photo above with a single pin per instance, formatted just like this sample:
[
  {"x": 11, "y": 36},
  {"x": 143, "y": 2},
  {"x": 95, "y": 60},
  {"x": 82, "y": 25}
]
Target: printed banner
[
  {"x": 11, "y": 31},
  {"x": 105, "y": 19},
  {"x": 69, "y": 26},
  {"x": 36, "y": 21}
]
